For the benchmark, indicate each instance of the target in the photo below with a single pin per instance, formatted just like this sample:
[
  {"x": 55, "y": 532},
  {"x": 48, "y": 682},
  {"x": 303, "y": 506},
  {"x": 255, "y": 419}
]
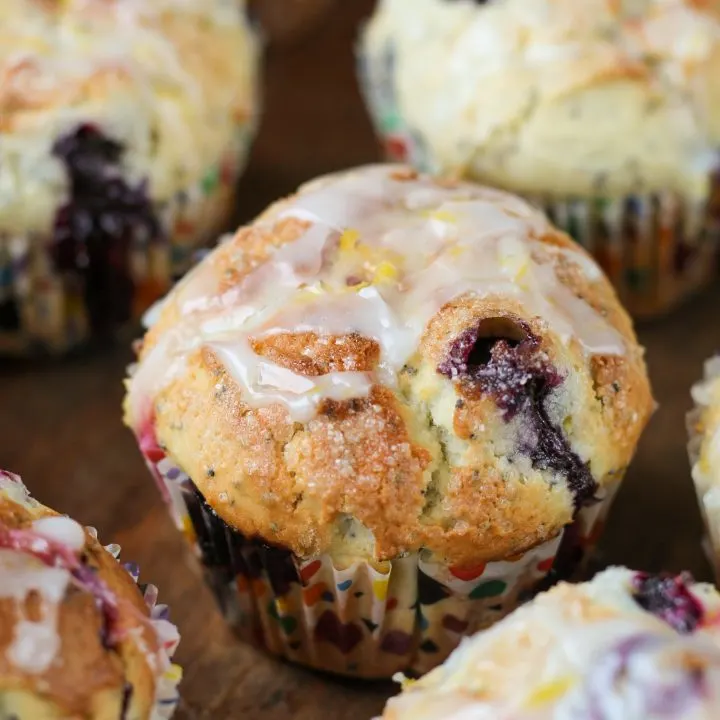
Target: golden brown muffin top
[
  {"x": 76, "y": 637},
  {"x": 386, "y": 362}
]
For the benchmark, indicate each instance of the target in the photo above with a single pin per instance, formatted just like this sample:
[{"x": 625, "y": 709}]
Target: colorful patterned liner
[
  {"x": 166, "y": 692},
  {"x": 708, "y": 494},
  {"x": 46, "y": 309},
  {"x": 364, "y": 620},
  {"x": 657, "y": 249}
]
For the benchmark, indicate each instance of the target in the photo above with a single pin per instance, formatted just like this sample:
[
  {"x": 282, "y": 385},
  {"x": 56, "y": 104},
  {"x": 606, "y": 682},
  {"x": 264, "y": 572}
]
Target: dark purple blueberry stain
[
  {"x": 623, "y": 671},
  {"x": 670, "y": 599},
  {"x": 344, "y": 636},
  {"x": 516, "y": 373},
  {"x": 104, "y": 217}
]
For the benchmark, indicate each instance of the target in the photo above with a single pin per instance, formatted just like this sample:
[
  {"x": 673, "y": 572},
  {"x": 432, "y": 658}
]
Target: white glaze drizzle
[
  {"x": 61, "y": 529},
  {"x": 411, "y": 245},
  {"x": 35, "y": 644}
]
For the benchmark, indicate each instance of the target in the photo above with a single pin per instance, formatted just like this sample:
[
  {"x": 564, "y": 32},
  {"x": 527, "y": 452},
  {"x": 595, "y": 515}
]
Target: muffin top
[
  {"x": 385, "y": 362},
  {"x": 77, "y": 639},
  {"x": 600, "y": 97},
  {"x": 167, "y": 81},
  {"x": 626, "y": 646}
]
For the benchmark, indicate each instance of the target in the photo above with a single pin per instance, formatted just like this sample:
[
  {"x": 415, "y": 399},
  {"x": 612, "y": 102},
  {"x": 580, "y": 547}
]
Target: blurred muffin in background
[
  {"x": 78, "y": 639},
  {"x": 626, "y": 645},
  {"x": 124, "y": 125},
  {"x": 606, "y": 114},
  {"x": 386, "y": 412}
]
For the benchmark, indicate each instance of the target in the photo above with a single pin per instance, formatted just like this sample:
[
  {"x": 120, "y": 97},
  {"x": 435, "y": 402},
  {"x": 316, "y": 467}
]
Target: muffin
[
  {"x": 606, "y": 114},
  {"x": 626, "y": 645},
  {"x": 704, "y": 450},
  {"x": 386, "y": 410},
  {"x": 77, "y": 637},
  {"x": 123, "y": 128}
]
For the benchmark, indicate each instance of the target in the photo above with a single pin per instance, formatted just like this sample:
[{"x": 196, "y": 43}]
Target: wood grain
[{"x": 60, "y": 421}]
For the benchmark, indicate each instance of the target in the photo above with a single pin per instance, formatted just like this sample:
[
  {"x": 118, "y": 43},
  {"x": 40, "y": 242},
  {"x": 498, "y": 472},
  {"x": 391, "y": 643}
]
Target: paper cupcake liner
[
  {"x": 657, "y": 249},
  {"x": 43, "y": 309},
  {"x": 366, "y": 620},
  {"x": 708, "y": 492},
  {"x": 166, "y": 691}
]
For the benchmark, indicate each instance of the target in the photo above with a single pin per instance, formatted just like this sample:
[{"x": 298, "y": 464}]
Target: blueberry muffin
[
  {"x": 626, "y": 646},
  {"x": 123, "y": 127},
  {"x": 704, "y": 449},
  {"x": 607, "y": 114},
  {"x": 389, "y": 407},
  {"x": 77, "y": 638}
]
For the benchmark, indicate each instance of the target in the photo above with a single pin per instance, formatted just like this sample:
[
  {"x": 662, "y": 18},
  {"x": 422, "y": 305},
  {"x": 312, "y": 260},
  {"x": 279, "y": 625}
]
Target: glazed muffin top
[
  {"x": 601, "y": 97},
  {"x": 77, "y": 639},
  {"x": 625, "y": 646},
  {"x": 168, "y": 81},
  {"x": 385, "y": 362}
]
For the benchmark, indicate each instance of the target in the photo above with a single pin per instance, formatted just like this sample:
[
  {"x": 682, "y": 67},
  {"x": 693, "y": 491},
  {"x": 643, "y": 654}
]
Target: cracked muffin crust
[
  {"x": 386, "y": 362},
  {"x": 123, "y": 127},
  {"x": 625, "y": 646},
  {"x": 77, "y": 638}
]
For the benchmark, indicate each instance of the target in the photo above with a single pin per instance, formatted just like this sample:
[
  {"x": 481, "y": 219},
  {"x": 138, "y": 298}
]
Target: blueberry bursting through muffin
[
  {"x": 103, "y": 218},
  {"x": 670, "y": 599},
  {"x": 519, "y": 378}
]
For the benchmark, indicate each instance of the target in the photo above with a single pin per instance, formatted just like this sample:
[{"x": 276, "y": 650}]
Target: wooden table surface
[{"x": 60, "y": 424}]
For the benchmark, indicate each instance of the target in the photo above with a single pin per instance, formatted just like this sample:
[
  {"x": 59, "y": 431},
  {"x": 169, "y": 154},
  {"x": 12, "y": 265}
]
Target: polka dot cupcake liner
[
  {"x": 47, "y": 310},
  {"x": 703, "y": 444},
  {"x": 366, "y": 620},
  {"x": 657, "y": 249}
]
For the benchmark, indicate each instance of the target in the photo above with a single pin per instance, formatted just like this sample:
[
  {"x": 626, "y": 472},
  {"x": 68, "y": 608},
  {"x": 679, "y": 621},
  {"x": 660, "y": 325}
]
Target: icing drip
[
  {"x": 57, "y": 556},
  {"x": 381, "y": 257},
  {"x": 36, "y": 642},
  {"x": 62, "y": 530}
]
